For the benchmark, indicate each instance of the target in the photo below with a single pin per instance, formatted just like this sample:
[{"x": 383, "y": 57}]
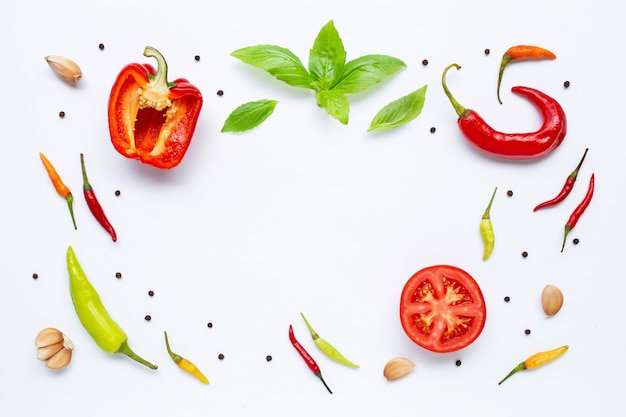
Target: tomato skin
[{"x": 442, "y": 308}]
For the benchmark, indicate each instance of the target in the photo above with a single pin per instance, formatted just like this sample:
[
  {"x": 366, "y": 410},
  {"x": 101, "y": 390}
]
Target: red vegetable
[
  {"x": 519, "y": 53},
  {"x": 579, "y": 210},
  {"x": 442, "y": 308},
  {"x": 151, "y": 119},
  {"x": 93, "y": 204},
  {"x": 518, "y": 146},
  {"x": 567, "y": 187},
  {"x": 308, "y": 359}
]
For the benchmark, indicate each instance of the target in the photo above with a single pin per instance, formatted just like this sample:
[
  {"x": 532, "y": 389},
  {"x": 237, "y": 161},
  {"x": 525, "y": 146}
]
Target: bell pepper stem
[
  {"x": 460, "y": 110},
  {"x": 126, "y": 350},
  {"x": 159, "y": 80}
]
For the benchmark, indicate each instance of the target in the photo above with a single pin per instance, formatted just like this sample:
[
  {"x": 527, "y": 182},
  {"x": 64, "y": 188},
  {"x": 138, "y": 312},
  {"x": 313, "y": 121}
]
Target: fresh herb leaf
[
  {"x": 362, "y": 73},
  {"x": 336, "y": 104},
  {"x": 327, "y": 57},
  {"x": 400, "y": 111},
  {"x": 249, "y": 115},
  {"x": 278, "y": 61}
]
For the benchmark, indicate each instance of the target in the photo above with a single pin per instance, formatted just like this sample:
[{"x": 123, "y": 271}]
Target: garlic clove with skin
[
  {"x": 551, "y": 300},
  {"x": 64, "y": 68},
  {"x": 54, "y": 347},
  {"x": 397, "y": 368}
]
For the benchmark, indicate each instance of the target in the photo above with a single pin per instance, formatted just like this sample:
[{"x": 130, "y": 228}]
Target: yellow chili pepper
[
  {"x": 185, "y": 364},
  {"x": 537, "y": 360},
  {"x": 59, "y": 186},
  {"x": 328, "y": 349},
  {"x": 486, "y": 230}
]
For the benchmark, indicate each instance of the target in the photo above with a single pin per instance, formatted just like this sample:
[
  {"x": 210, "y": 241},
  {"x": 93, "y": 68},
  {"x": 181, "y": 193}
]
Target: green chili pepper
[
  {"x": 486, "y": 230},
  {"x": 328, "y": 349},
  {"x": 94, "y": 316}
]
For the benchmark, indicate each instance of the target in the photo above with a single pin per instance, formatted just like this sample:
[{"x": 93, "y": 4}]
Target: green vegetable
[
  {"x": 400, "y": 111},
  {"x": 326, "y": 348},
  {"x": 249, "y": 115},
  {"x": 328, "y": 73}
]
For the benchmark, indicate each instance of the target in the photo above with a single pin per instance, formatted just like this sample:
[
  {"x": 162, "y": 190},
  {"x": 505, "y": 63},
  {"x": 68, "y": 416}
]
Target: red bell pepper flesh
[{"x": 159, "y": 132}]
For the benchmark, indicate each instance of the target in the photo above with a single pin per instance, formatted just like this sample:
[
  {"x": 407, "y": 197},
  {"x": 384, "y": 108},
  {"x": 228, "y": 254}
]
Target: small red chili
[
  {"x": 579, "y": 210},
  {"x": 308, "y": 359},
  {"x": 521, "y": 52},
  {"x": 567, "y": 187},
  {"x": 93, "y": 204},
  {"x": 517, "y": 146}
]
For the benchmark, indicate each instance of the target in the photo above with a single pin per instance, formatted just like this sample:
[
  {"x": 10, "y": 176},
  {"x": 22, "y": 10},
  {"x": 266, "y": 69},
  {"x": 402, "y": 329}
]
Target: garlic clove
[
  {"x": 397, "y": 368},
  {"x": 64, "y": 68},
  {"x": 48, "y": 336},
  {"x": 60, "y": 360},
  {"x": 46, "y": 352},
  {"x": 551, "y": 300}
]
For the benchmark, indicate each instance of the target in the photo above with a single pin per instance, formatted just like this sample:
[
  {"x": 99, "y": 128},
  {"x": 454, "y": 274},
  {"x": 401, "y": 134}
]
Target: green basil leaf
[
  {"x": 249, "y": 115},
  {"x": 366, "y": 71},
  {"x": 336, "y": 104},
  {"x": 400, "y": 111},
  {"x": 278, "y": 61},
  {"x": 327, "y": 57}
]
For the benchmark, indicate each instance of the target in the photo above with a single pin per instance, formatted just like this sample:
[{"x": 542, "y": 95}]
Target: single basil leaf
[
  {"x": 400, "y": 111},
  {"x": 327, "y": 57},
  {"x": 336, "y": 104},
  {"x": 278, "y": 61},
  {"x": 363, "y": 72},
  {"x": 249, "y": 115}
]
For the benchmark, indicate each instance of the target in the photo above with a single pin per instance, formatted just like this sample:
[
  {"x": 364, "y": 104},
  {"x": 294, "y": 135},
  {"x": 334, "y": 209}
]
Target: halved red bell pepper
[{"x": 151, "y": 119}]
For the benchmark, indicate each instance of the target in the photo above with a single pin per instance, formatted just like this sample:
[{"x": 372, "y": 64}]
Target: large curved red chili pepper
[
  {"x": 151, "y": 119},
  {"x": 518, "y": 146}
]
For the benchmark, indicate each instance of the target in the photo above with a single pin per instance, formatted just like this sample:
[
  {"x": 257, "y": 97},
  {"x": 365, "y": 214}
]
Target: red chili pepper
[
  {"x": 521, "y": 52},
  {"x": 151, "y": 119},
  {"x": 579, "y": 210},
  {"x": 308, "y": 359},
  {"x": 93, "y": 204},
  {"x": 518, "y": 146},
  {"x": 567, "y": 187}
]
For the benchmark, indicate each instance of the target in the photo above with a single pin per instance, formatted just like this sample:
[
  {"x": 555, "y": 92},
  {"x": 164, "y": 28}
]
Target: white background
[{"x": 306, "y": 214}]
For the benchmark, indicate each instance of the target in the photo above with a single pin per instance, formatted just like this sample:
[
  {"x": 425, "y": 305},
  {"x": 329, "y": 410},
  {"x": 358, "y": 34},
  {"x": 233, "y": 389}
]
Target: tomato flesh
[{"x": 442, "y": 308}]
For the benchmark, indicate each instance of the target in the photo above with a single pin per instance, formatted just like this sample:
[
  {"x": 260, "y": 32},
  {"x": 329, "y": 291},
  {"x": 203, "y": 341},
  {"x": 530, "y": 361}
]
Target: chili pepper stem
[
  {"x": 567, "y": 230},
  {"x": 319, "y": 375},
  {"x": 158, "y": 81},
  {"x": 460, "y": 110},
  {"x": 488, "y": 209},
  {"x": 506, "y": 58},
  {"x": 176, "y": 358},
  {"x": 70, "y": 200},
  {"x": 314, "y": 334},
  {"x": 126, "y": 350},
  {"x": 520, "y": 367}
]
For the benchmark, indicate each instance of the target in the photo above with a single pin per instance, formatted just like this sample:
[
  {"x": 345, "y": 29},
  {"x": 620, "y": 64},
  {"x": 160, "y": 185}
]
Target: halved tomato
[{"x": 442, "y": 308}]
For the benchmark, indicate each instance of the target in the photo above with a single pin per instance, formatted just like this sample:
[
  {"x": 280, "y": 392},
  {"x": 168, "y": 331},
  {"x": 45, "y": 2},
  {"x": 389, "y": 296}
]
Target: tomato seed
[
  {"x": 509, "y": 193},
  {"x": 527, "y": 331},
  {"x": 101, "y": 46},
  {"x": 148, "y": 317},
  {"x": 575, "y": 241},
  {"x": 197, "y": 57},
  {"x": 507, "y": 299},
  {"x": 220, "y": 356},
  {"x": 433, "y": 129},
  {"x": 458, "y": 362},
  {"x": 566, "y": 84},
  {"x": 151, "y": 293},
  {"x": 268, "y": 358},
  {"x": 118, "y": 275},
  {"x": 487, "y": 51},
  {"x": 61, "y": 114},
  {"x": 220, "y": 93},
  {"x": 524, "y": 254},
  {"x": 209, "y": 325},
  {"x": 35, "y": 276},
  {"x": 425, "y": 62}
]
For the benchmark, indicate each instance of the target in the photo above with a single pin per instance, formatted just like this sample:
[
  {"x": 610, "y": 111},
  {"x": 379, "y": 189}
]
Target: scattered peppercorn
[
  {"x": 507, "y": 299},
  {"x": 268, "y": 358},
  {"x": 61, "y": 114},
  {"x": 566, "y": 84},
  {"x": 118, "y": 275},
  {"x": 209, "y": 325},
  {"x": 424, "y": 62},
  {"x": 487, "y": 51},
  {"x": 509, "y": 193},
  {"x": 458, "y": 362},
  {"x": 220, "y": 356},
  {"x": 575, "y": 241},
  {"x": 197, "y": 57},
  {"x": 220, "y": 93},
  {"x": 117, "y": 193},
  {"x": 151, "y": 293},
  {"x": 524, "y": 254},
  {"x": 35, "y": 276},
  {"x": 101, "y": 46},
  {"x": 433, "y": 129},
  {"x": 148, "y": 317},
  {"x": 527, "y": 331}
]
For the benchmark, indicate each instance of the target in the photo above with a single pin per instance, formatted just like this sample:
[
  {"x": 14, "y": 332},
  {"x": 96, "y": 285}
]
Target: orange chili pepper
[
  {"x": 59, "y": 186},
  {"x": 537, "y": 360},
  {"x": 521, "y": 52},
  {"x": 185, "y": 364}
]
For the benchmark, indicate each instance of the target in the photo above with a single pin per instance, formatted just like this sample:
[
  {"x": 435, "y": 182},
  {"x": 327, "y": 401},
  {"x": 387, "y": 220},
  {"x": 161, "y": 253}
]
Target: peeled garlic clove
[
  {"x": 551, "y": 300},
  {"x": 397, "y": 368},
  {"x": 60, "y": 360},
  {"x": 64, "y": 68},
  {"x": 46, "y": 352},
  {"x": 48, "y": 336}
]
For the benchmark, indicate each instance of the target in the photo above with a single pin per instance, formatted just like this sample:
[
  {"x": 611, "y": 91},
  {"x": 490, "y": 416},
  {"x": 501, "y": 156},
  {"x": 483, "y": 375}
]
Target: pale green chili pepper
[
  {"x": 486, "y": 230},
  {"x": 328, "y": 349}
]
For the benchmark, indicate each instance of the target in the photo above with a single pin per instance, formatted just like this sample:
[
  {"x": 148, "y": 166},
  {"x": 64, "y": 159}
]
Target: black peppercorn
[
  {"x": 433, "y": 129},
  {"x": 209, "y": 325},
  {"x": 268, "y": 358},
  {"x": 220, "y": 356},
  {"x": 220, "y": 92},
  {"x": 118, "y": 275},
  {"x": 197, "y": 57},
  {"x": 487, "y": 51},
  {"x": 575, "y": 241},
  {"x": 61, "y": 114},
  {"x": 458, "y": 362},
  {"x": 148, "y": 317},
  {"x": 35, "y": 276},
  {"x": 527, "y": 331},
  {"x": 507, "y": 299},
  {"x": 566, "y": 84},
  {"x": 151, "y": 293},
  {"x": 509, "y": 193},
  {"x": 524, "y": 254},
  {"x": 101, "y": 46},
  {"x": 425, "y": 62}
]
